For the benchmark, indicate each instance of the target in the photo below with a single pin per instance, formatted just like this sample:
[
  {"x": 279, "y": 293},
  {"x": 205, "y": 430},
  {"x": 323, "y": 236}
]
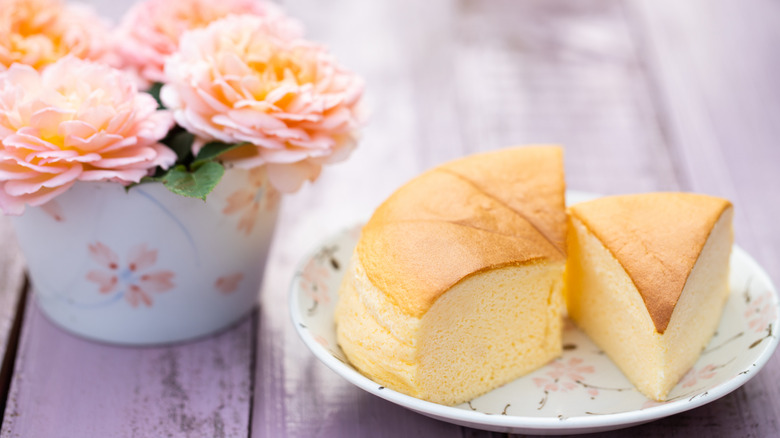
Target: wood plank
[
  {"x": 64, "y": 386},
  {"x": 561, "y": 72},
  {"x": 715, "y": 68},
  {"x": 11, "y": 296}
]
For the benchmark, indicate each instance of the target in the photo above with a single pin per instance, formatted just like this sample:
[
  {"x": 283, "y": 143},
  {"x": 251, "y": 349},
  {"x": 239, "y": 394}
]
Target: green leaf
[
  {"x": 154, "y": 90},
  {"x": 181, "y": 143},
  {"x": 212, "y": 150},
  {"x": 195, "y": 184},
  {"x": 151, "y": 179}
]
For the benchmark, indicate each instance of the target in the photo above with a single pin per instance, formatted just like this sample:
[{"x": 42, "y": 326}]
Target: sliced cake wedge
[{"x": 647, "y": 279}]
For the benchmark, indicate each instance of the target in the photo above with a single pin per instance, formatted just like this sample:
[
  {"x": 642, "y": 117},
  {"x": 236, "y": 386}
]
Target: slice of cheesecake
[
  {"x": 647, "y": 279},
  {"x": 455, "y": 286}
]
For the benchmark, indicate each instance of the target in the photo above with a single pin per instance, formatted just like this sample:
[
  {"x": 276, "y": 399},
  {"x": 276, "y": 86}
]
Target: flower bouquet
[{"x": 111, "y": 141}]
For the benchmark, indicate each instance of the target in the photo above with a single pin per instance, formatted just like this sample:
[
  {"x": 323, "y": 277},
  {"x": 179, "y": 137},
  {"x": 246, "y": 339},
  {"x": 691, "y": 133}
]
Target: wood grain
[
  {"x": 567, "y": 73},
  {"x": 64, "y": 386}
]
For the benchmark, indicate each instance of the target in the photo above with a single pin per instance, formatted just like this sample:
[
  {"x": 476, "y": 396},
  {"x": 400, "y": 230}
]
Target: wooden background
[{"x": 645, "y": 95}]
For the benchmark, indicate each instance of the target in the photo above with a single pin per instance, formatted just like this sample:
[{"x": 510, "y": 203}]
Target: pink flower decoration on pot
[
  {"x": 129, "y": 280},
  {"x": 229, "y": 283},
  {"x": 76, "y": 120},
  {"x": 239, "y": 80},
  {"x": 39, "y": 32},
  {"x": 150, "y": 30},
  {"x": 248, "y": 201}
]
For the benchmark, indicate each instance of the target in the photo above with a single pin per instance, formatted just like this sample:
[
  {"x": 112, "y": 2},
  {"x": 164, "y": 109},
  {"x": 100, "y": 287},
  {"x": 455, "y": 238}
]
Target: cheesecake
[
  {"x": 647, "y": 278},
  {"x": 455, "y": 286}
]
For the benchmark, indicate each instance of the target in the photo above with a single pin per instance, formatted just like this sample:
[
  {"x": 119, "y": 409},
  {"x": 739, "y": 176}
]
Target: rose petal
[{"x": 21, "y": 187}]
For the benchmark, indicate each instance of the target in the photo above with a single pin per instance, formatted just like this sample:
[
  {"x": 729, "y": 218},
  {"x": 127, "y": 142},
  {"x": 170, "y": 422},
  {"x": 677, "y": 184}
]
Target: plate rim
[{"x": 524, "y": 423}]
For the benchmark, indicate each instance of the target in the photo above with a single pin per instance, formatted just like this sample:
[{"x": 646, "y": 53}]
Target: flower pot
[{"x": 145, "y": 266}]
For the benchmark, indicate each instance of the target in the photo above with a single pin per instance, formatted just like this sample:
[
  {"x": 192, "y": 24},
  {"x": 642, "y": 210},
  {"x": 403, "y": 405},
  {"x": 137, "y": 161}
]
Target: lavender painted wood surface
[
  {"x": 66, "y": 387},
  {"x": 646, "y": 95}
]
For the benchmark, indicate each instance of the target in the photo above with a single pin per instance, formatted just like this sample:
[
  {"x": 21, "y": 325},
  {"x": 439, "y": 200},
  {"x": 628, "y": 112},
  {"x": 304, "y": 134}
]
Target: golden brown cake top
[
  {"x": 480, "y": 212},
  {"x": 656, "y": 237}
]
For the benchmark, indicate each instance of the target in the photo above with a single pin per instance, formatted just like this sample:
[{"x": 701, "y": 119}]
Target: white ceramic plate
[{"x": 580, "y": 392}]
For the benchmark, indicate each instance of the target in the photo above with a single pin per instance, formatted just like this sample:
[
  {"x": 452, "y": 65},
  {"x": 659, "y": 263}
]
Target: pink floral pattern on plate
[
  {"x": 248, "y": 201},
  {"x": 565, "y": 376},
  {"x": 693, "y": 376},
  {"x": 315, "y": 276},
  {"x": 761, "y": 312},
  {"x": 129, "y": 279}
]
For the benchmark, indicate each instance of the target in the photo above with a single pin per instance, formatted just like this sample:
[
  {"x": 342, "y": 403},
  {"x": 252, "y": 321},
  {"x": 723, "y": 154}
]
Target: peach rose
[
  {"x": 150, "y": 30},
  {"x": 75, "y": 120},
  {"x": 39, "y": 32},
  {"x": 238, "y": 81}
]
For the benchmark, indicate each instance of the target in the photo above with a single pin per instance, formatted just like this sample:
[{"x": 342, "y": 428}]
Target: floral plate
[{"x": 580, "y": 392}]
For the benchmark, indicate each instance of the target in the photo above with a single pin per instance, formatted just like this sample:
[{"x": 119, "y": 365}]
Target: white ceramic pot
[{"x": 144, "y": 266}]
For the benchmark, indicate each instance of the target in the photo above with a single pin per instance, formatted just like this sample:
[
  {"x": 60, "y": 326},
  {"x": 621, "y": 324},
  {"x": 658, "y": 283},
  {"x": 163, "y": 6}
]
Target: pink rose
[
  {"x": 75, "y": 120},
  {"x": 39, "y": 32},
  {"x": 239, "y": 80},
  {"x": 150, "y": 30}
]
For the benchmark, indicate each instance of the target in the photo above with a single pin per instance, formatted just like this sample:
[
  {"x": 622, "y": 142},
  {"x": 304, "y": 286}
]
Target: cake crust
[
  {"x": 487, "y": 211},
  {"x": 657, "y": 238}
]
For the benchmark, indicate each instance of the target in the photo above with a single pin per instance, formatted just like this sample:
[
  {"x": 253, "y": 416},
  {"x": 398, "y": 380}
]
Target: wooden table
[{"x": 645, "y": 95}]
